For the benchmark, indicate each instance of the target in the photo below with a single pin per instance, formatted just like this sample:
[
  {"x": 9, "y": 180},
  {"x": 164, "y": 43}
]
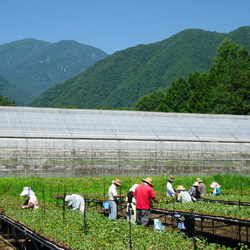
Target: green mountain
[
  {"x": 121, "y": 79},
  {"x": 36, "y": 65},
  {"x": 13, "y": 92},
  {"x": 224, "y": 89}
]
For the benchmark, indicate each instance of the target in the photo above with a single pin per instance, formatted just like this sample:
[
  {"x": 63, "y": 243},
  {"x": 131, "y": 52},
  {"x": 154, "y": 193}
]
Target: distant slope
[
  {"x": 13, "y": 92},
  {"x": 36, "y": 66},
  {"x": 122, "y": 78}
]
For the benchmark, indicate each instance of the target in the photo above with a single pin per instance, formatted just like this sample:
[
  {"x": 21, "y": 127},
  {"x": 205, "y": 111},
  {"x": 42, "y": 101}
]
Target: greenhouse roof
[{"x": 25, "y": 122}]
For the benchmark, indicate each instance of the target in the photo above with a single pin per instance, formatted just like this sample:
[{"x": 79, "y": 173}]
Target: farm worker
[
  {"x": 75, "y": 201},
  {"x": 32, "y": 201},
  {"x": 113, "y": 201},
  {"x": 131, "y": 204},
  {"x": 143, "y": 193},
  {"x": 202, "y": 187},
  {"x": 193, "y": 191},
  {"x": 170, "y": 190},
  {"x": 216, "y": 188},
  {"x": 183, "y": 195}
]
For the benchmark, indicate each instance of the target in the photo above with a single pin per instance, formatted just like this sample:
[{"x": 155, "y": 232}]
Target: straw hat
[
  {"x": 149, "y": 181},
  {"x": 196, "y": 184},
  {"x": 171, "y": 178},
  {"x": 117, "y": 182},
  {"x": 180, "y": 188},
  {"x": 199, "y": 179}
]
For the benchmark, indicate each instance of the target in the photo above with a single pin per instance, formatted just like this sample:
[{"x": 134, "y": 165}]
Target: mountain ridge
[
  {"x": 122, "y": 78},
  {"x": 35, "y": 65},
  {"x": 13, "y": 92}
]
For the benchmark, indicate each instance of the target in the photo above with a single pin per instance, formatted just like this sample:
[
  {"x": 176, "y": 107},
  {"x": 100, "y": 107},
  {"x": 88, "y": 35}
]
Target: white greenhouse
[{"x": 73, "y": 142}]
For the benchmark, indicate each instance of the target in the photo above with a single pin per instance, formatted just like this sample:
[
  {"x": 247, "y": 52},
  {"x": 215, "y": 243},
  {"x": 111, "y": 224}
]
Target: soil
[
  {"x": 4, "y": 245},
  {"x": 214, "y": 231},
  {"x": 218, "y": 232}
]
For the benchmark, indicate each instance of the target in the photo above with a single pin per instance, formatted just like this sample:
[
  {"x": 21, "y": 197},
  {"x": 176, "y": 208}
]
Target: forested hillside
[
  {"x": 121, "y": 79},
  {"x": 224, "y": 89},
  {"x": 5, "y": 101},
  {"x": 36, "y": 65},
  {"x": 13, "y": 92}
]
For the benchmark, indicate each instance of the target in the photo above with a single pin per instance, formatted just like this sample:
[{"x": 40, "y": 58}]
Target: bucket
[
  {"x": 158, "y": 225},
  {"x": 106, "y": 204},
  {"x": 181, "y": 225}
]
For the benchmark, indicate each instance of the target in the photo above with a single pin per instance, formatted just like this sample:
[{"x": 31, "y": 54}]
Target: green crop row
[
  {"x": 220, "y": 209},
  {"x": 14, "y": 185},
  {"x": 103, "y": 233},
  {"x": 99, "y": 233}
]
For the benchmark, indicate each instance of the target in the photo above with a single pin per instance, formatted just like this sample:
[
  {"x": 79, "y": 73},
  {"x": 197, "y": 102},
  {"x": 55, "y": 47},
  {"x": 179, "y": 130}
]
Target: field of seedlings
[{"x": 93, "y": 230}]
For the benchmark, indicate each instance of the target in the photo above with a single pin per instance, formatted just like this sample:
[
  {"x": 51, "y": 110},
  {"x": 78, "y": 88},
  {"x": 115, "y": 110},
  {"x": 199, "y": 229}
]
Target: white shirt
[
  {"x": 184, "y": 196},
  {"x": 79, "y": 203},
  {"x": 33, "y": 200},
  {"x": 170, "y": 190},
  {"x": 112, "y": 192}
]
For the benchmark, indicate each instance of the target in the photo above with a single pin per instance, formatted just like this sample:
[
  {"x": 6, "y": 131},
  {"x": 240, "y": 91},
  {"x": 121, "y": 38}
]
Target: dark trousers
[{"x": 142, "y": 216}]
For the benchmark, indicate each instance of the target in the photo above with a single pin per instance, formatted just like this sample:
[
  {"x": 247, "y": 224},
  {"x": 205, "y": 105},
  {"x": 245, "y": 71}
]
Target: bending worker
[
  {"x": 216, "y": 188},
  {"x": 32, "y": 201},
  {"x": 76, "y": 202},
  {"x": 183, "y": 195},
  {"x": 194, "y": 192}
]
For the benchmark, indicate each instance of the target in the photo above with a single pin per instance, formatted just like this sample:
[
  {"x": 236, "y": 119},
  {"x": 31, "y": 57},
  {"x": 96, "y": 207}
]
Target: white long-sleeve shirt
[
  {"x": 112, "y": 192},
  {"x": 79, "y": 203},
  {"x": 170, "y": 190}
]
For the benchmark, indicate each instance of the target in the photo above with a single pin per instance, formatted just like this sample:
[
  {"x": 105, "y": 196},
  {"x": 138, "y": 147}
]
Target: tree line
[
  {"x": 224, "y": 89},
  {"x": 5, "y": 101}
]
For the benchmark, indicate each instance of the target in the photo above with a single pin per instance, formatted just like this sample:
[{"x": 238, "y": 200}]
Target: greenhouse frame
[{"x": 77, "y": 142}]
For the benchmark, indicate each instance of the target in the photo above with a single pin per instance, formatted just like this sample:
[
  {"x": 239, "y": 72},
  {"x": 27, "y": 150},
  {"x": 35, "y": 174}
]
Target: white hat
[
  {"x": 215, "y": 184},
  {"x": 26, "y": 191},
  {"x": 133, "y": 188},
  {"x": 69, "y": 199}
]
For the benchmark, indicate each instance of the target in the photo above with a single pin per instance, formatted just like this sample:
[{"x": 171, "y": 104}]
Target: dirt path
[{"x": 4, "y": 245}]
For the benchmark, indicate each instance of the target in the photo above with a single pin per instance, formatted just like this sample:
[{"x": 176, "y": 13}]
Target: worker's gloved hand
[{"x": 23, "y": 207}]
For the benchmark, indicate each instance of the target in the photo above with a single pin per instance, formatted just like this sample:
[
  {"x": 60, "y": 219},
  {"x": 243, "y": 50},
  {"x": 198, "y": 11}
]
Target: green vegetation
[
  {"x": 86, "y": 185},
  {"x": 4, "y": 101},
  {"x": 34, "y": 66},
  {"x": 225, "y": 89},
  {"x": 12, "y": 92},
  {"x": 102, "y": 233},
  {"x": 121, "y": 79},
  {"x": 210, "y": 208}
]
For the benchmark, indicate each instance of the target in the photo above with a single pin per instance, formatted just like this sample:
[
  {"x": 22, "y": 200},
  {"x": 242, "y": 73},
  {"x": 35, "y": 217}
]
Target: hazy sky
[{"x": 113, "y": 25}]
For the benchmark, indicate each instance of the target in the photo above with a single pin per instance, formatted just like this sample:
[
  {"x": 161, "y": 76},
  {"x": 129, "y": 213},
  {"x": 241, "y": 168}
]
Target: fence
[{"x": 107, "y": 157}]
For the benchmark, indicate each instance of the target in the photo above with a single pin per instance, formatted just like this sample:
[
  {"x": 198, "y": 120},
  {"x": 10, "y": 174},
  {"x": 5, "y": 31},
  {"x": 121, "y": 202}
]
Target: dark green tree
[
  {"x": 230, "y": 74},
  {"x": 225, "y": 89},
  {"x": 150, "y": 102},
  {"x": 4, "y": 101}
]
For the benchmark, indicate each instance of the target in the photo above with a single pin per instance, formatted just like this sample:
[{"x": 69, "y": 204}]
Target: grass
[{"x": 86, "y": 185}]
